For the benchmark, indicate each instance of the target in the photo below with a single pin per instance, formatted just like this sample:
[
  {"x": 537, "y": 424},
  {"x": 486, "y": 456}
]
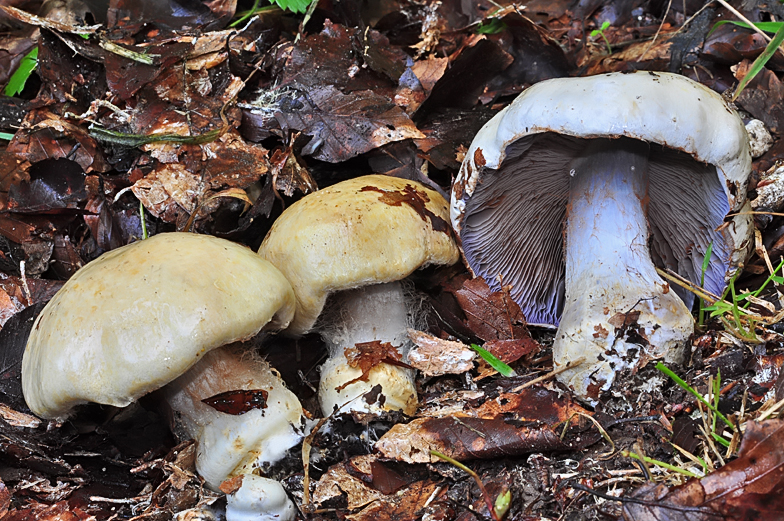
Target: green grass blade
[
  {"x": 494, "y": 362},
  {"x": 18, "y": 79},
  {"x": 6, "y": 136},
  {"x": 705, "y": 264},
  {"x": 768, "y": 27},
  {"x": 686, "y": 387},
  {"x": 760, "y": 62}
]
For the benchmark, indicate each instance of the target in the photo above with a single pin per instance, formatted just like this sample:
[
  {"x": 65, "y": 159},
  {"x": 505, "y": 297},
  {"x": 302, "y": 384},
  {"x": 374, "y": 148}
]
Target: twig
[{"x": 648, "y": 48}]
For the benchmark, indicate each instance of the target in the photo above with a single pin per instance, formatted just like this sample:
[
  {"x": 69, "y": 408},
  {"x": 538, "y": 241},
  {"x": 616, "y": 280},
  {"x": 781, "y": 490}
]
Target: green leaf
[
  {"x": 491, "y": 26},
  {"x": 760, "y": 62},
  {"x": 768, "y": 27},
  {"x": 295, "y": 6},
  {"x": 17, "y": 81},
  {"x": 494, "y": 362},
  {"x": 6, "y": 136},
  {"x": 502, "y": 504}
]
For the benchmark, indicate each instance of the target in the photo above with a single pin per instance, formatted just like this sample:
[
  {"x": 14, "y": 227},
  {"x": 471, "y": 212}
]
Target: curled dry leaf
[
  {"x": 345, "y": 125},
  {"x": 435, "y": 357},
  {"x": 338, "y": 481}
]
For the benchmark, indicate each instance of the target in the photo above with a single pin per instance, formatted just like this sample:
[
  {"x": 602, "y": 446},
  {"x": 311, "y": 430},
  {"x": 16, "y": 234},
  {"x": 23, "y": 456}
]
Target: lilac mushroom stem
[{"x": 615, "y": 301}]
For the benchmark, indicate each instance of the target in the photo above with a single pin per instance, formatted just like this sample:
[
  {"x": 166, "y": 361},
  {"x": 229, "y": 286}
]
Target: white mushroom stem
[
  {"x": 377, "y": 312},
  {"x": 609, "y": 273},
  {"x": 228, "y": 444},
  {"x": 259, "y": 499}
]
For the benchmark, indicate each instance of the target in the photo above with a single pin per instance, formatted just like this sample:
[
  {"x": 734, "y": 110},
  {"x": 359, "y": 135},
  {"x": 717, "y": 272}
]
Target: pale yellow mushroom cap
[
  {"x": 363, "y": 231},
  {"x": 139, "y": 316}
]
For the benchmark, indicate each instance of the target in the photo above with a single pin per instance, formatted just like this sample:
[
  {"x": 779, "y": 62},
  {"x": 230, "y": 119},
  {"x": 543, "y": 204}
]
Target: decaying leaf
[
  {"x": 338, "y": 481},
  {"x": 345, "y": 125},
  {"x": 366, "y": 355},
  {"x": 750, "y": 487},
  {"x": 511, "y": 425},
  {"x": 238, "y": 402},
  {"x": 491, "y": 315},
  {"x": 434, "y": 356},
  {"x": 288, "y": 175},
  {"x": 403, "y": 506}
]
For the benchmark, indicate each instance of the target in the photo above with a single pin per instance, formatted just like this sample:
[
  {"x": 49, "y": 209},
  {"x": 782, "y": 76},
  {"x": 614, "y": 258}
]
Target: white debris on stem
[{"x": 617, "y": 308}]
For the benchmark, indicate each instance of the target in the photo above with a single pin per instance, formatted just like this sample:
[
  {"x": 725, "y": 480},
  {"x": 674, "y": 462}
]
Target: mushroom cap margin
[{"x": 141, "y": 315}]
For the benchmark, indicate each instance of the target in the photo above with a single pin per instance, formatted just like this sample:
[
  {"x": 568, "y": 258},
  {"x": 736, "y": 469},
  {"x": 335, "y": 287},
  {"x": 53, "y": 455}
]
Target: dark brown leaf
[
  {"x": 288, "y": 175},
  {"x": 367, "y": 355},
  {"x": 514, "y": 424},
  {"x": 491, "y": 315},
  {"x": 345, "y": 125},
  {"x": 55, "y": 185},
  {"x": 750, "y": 487}
]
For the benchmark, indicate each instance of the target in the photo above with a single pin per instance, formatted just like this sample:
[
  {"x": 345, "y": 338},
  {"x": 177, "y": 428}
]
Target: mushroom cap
[
  {"x": 363, "y": 231},
  {"x": 529, "y": 144},
  {"x": 139, "y": 316}
]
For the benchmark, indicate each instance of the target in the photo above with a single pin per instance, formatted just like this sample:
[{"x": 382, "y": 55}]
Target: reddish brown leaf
[
  {"x": 491, "y": 315},
  {"x": 238, "y": 402},
  {"x": 403, "y": 506},
  {"x": 366, "y": 355},
  {"x": 509, "y": 351},
  {"x": 288, "y": 175},
  {"x": 750, "y": 487}
]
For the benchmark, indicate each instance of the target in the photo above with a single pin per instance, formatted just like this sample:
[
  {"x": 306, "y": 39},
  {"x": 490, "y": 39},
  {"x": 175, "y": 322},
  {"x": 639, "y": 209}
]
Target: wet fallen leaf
[
  {"x": 367, "y": 355},
  {"x": 345, "y": 125},
  {"x": 238, "y": 402},
  {"x": 288, "y": 174},
  {"x": 402, "y": 506},
  {"x": 510, "y": 425},
  {"x": 750, "y": 487}
]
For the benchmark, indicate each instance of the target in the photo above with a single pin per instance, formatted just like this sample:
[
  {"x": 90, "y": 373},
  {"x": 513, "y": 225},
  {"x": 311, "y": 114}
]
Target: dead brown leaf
[
  {"x": 367, "y": 355},
  {"x": 491, "y": 315},
  {"x": 510, "y": 425},
  {"x": 403, "y": 506},
  {"x": 343, "y": 126},
  {"x": 750, "y": 487},
  {"x": 288, "y": 175}
]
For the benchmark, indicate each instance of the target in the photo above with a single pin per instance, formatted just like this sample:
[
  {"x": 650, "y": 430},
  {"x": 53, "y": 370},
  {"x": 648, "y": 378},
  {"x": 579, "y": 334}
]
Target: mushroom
[
  {"x": 145, "y": 314},
  {"x": 355, "y": 241},
  {"x": 577, "y": 191}
]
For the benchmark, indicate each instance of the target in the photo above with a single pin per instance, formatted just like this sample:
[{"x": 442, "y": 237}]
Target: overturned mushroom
[
  {"x": 141, "y": 316},
  {"x": 355, "y": 241},
  {"x": 632, "y": 171}
]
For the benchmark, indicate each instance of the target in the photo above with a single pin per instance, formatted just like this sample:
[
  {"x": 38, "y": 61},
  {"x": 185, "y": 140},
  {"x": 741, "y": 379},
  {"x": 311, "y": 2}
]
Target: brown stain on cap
[{"x": 416, "y": 199}]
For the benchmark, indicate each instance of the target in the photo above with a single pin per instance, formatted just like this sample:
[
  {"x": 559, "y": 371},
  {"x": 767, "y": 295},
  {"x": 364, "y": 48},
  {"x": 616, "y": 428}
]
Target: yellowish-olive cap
[
  {"x": 367, "y": 230},
  {"x": 139, "y": 316}
]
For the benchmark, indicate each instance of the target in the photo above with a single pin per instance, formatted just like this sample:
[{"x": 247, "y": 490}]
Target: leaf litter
[{"x": 166, "y": 119}]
